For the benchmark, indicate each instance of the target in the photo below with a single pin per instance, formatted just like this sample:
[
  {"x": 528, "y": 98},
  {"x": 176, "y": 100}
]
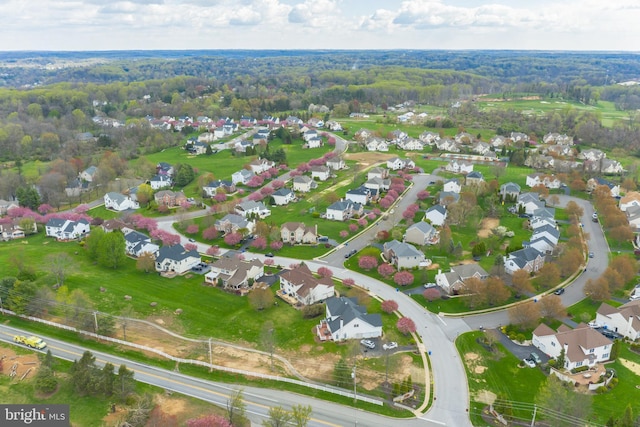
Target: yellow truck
[{"x": 33, "y": 342}]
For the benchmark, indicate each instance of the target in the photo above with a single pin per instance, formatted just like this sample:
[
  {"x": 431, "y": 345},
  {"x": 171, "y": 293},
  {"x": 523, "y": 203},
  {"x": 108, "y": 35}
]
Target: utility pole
[
  {"x": 95, "y": 319},
  {"x": 533, "y": 420},
  {"x": 1, "y": 306}
]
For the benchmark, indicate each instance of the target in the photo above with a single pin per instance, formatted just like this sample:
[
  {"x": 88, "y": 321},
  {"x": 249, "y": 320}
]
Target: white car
[
  {"x": 390, "y": 345},
  {"x": 594, "y": 324},
  {"x": 368, "y": 343},
  {"x": 530, "y": 363}
]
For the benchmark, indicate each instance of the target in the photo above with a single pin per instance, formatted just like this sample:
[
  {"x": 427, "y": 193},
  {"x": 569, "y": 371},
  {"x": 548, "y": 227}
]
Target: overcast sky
[{"x": 319, "y": 24}]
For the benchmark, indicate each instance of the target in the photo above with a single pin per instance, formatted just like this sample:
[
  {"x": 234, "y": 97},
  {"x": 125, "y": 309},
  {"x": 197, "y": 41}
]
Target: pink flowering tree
[
  {"x": 220, "y": 197},
  {"x": 408, "y": 214},
  {"x": 392, "y": 194},
  {"x": 240, "y": 192},
  {"x": 331, "y": 141},
  {"x": 386, "y": 202},
  {"x": 256, "y": 197},
  {"x": 255, "y": 181},
  {"x": 266, "y": 191},
  {"x": 349, "y": 282},
  {"x": 376, "y": 211},
  {"x": 403, "y": 278},
  {"x": 344, "y": 234},
  {"x": 191, "y": 247},
  {"x": 294, "y": 173},
  {"x": 371, "y": 216},
  {"x": 294, "y": 266},
  {"x": 45, "y": 209},
  {"x": 81, "y": 209},
  {"x": 20, "y": 212},
  {"x": 209, "y": 421},
  {"x": 353, "y": 227},
  {"x": 259, "y": 243},
  {"x": 210, "y": 233},
  {"x": 277, "y": 184},
  {"x": 367, "y": 262},
  {"x": 325, "y": 272},
  {"x": 192, "y": 229},
  {"x": 274, "y": 172},
  {"x": 303, "y": 167},
  {"x": 406, "y": 326},
  {"x": 148, "y": 224},
  {"x": 269, "y": 262},
  {"x": 389, "y": 306},
  {"x": 362, "y": 222},
  {"x": 276, "y": 245},
  {"x": 386, "y": 270},
  {"x": 422, "y": 195},
  {"x": 398, "y": 188},
  {"x": 431, "y": 294},
  {"x": 232, "y": 239},
  {"x": 213, "y": 250}
]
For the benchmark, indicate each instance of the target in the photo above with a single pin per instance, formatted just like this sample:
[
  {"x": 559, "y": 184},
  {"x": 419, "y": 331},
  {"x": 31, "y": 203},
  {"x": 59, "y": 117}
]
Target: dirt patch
[
  {"x": 470, "y": 357},
  {"x": 632, "y": 366},
  {"x": 368, "y": 158},
  {"x": 21, "y": 362},
  {"x": 487, "y": 225},
  {"x": 486, "y": 396}
]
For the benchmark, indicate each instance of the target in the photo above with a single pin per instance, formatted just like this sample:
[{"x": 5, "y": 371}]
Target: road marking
[
  {"x": 433, "y": 421},
  {"x": 442, "y": 320}
]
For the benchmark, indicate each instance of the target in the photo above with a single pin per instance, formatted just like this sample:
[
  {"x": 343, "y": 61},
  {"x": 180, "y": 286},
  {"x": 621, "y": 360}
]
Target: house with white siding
[
  {"x": 346, "y": 320},
  {"x": 583, "y": 346},
  {"x": 300, "y": 284},
  {"x": 176, "y": 259}
]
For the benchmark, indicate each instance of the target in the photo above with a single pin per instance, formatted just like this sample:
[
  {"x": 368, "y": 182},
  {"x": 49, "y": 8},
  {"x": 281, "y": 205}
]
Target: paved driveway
[{"x": 519, "y": 351}]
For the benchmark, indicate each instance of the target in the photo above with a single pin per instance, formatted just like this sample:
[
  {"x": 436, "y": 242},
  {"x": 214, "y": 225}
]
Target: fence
[{"x": 315, "y": 386}]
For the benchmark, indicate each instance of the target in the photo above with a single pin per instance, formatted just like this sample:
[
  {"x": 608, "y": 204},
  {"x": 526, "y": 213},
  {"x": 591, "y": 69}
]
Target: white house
[
  {"x": 378, "y": 172},
  {"x": 528, "y": 259},
  {"x": 297, "y": 232},
  {"x": 336, "y": 163},
  {"x": 231, "y": 223},
  {"x": 283, "y": 196},
  {"x": 212, "y": 188},
  {"x": 436, "y": 215},
  {"x": 583, "y": 346},
  {"x": 65, "y": 229},
  {"x": 302, "y": 285},
  {"x": 233, "y": 273},
  {"x": 261, "y": 165},
  {"x": 429, "y": 137},
  {"x": 452, "y": 186},
  {"x": 251, "y": 208},
  {"x": 361, "y": 195},
  {"x": 549, "y": 181},
  {"x": 510, "y": 190},
  {"x": 343, "y": 210},
  {"x": 403, "y": 255},
  {"x": 159, "y": 182},
  {"x": 119, "y": 202},
  {"x": 242, "y": 176},
  {"x": 397, "y": 163},
  {"x": 137, "y": 243},
  {"x": 632, "y": 198},
  {"x": 610, "y": 167},
  {"x": 614, "y": 188},
  {"x": 624, "y": 320},
  {"x": 321, "y": 172},
  {"x": 303, "y": 184},
  {"x": 346, "y": 320},
  {"x": 88, "y": 174},
  {"x": 530, "y": 202},
  {"x": 377, "y": 144},
  {"x": 456, "y": 166},
  {"x": 421, "y": 233},
  {"x": 176, "y": 259}
]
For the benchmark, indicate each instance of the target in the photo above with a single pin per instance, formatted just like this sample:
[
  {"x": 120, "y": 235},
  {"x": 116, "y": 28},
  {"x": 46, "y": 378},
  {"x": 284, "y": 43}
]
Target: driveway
[{"x": 519, "y": 351}]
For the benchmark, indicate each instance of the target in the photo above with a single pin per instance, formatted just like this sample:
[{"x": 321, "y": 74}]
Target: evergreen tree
[
  {"x": 83, "y": 373},
  {"x": 125, "y": 383},
  {"x": 108, "y": 380}
]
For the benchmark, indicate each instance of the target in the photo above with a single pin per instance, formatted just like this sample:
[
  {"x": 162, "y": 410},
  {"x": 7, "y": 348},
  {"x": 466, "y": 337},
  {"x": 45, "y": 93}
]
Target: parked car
[
  {"x": 269, "y": 255},
  {"x": 559, "y": 291},
  {"x": 350, "y": 253},
  {"x": 368, "y": 343},
  {"x": 534, "y": 356},
  {"x": 591, "y": 254},
  {"x": 390, "y": 345},
  {"x": 192, "y": 240},
  {"x": 594, "y": 324},
  {"x": 530, "y": 363},
  {"x": 429, "y": 285}
]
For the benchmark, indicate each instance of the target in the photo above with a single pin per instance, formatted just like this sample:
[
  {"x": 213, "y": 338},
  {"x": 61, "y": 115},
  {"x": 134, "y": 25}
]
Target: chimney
[{"x": 341, "y": 323}]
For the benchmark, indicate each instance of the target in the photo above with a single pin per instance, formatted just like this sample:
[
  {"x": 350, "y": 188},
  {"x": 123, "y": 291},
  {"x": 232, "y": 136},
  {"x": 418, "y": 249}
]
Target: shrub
[{"x": 311, "y": 311}]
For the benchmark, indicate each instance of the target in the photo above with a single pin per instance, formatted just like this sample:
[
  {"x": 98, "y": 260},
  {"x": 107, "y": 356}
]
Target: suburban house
[
  {"x": 159, "y": 182},
  {"x": 632, "y": 198},
  {"x": 119, "y": 202},
  {"x": 242, "y": 176},
  {"x": 481, "y": 148},
  {"x": 243, "y": 146},
  {"x": 583, "y": 346},
  {"x": 397, "y": 163},
  {"x": 539, "y": 221},
  {"x": 17, "y": 229},
  {"x": 343, "y": 210},
  {"x": 362, "y": 195},
  {"x": 176, "y": 259},
  {"x": 346, "y": 320},
  {"x": 258, "y": 166},
  {"x": 378, "y": 184},
  {"x": 464, "y": 138},
  {"x": 5, "y": 205},
  {"x": 436, "y": 215},
  {"x": 250, "y": 209},
  {"x": 456, "y": 166},
  {"x": 530, "y": 202},
  {"x": 376, "y": 144},
  {"x": 231, "y": 223},
  {"x": 72, "y": 189},
  {"x": 556, "y": 138},
  {"x": 303, "y": 184},
  {"x": 115, "y": 224},
  {"x": 447, "y": 144},
  {"x": 452, "y": 186},
  {"x": 65, "y": 229},
  {"x": 197, "y": 147},
  {"x": 551, "y": 233},
  {"x": 137, "y": 243},
  {"x": 453, "y": 281},
  {"x": 164, "y": 168},
  {"x": 283, "y": 196},
  {"x": 212, "y": 188},
  {"x": 234, "y": 274},
  {"x": 402, "y": 255},
  {"x": 170, "y": 198},
  {"x": 297, "y": 232},
  {"x": 474, "y": 178},
  {"x": 592, "y": 155},
  {"x": 336, "y": 163},
  {"x": 313, "y": 143},
  {"x": 300, "y": 284},
  {"x": 378, "y": 172},
  {"x": 310, "y": 134},
  {"x": 528, "y": 259},
  {"x": 422, "y": 233},
  {"x": 429, "y": 137},
  {"x": 321, "y": 172},
  {"x": 624, "y": 320},
  {"x": 540, "y": 243},
  {"x": 411, "y": 144},
  {"x": 499, "y": 141},
  {"x": 633, "y": 217},
  {"x": 549, "y": 181},
  {"x": 614, "y": 188},
  {"x": 546, "y": 212},
  {"x": 88, "y": 174},
  {"x": 509, "y": 191},
  {"x": 447, "y": 197},
  {"x": 611, "y": 167}
]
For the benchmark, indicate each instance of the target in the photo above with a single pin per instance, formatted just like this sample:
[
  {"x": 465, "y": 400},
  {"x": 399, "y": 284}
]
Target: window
[
  {"x": 578, "y": 364},
  {"x": 553, "y": 344},
  {"x": 592, "y": 350},
  {"x": 605, "y": 356}
]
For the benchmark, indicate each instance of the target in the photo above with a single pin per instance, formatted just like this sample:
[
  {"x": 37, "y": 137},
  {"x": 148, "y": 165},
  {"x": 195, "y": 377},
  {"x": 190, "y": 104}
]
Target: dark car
[
  {"x": 351, "y": 253},
  {"x": 270, "y": 255},
  {"x": 559, "y": 291}
]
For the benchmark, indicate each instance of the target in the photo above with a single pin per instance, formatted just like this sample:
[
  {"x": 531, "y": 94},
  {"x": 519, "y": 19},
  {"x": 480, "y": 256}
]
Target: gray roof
[
  {"x": 423, "y": 227},
  {"x": 469, "y": 270},
  {"x": 344, "y": 205},
  {"x": 347, "y": 310},
  {"x": 547, "y": 228},
  {"x": 250, "y": 205},
  {"x": 117, "y": 197},
  {"x": 438, "y": 208},
  {"x": 510, "y": 187},
  {"x": 135, "y": 237},
  {"x": 449, "y": 195},
  {"x": 402, "y": 249},
  {"x": 176, "y": 253},
  {"x": 528, "y": 197},
  {"x": 282, "y": 192},
  {"x": 234, "y": 219},
  {"x": 524, "y": 255}
]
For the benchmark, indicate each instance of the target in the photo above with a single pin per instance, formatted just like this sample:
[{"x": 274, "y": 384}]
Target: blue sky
[{"x": 320, "y": 24}]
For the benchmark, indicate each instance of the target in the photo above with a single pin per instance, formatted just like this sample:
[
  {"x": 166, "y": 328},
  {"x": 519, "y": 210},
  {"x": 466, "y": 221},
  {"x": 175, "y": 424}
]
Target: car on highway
[
  {"x": 269, "y": 255},
  {"x": 530, "y": 363},
  {"x": 368, "y": 343},
  {"x": 559, "y": 291},
  {"x": 390, "y": 345}
]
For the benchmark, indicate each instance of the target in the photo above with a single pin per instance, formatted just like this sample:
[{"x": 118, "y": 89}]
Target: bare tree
[
  {"x": 524, "y": 315},
  {"x": 236, "y": 407},
  {"x": 60, "y": 265},
  {"x": 551, "y": 307}
]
